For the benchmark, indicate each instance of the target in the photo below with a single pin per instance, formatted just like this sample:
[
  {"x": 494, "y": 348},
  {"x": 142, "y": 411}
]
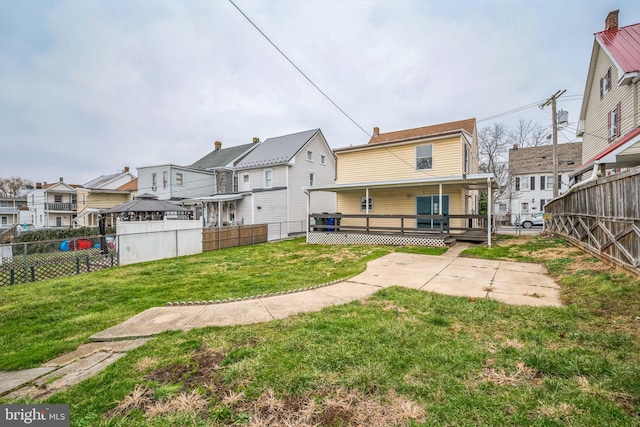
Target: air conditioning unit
[{"x": 154, "y": 188}]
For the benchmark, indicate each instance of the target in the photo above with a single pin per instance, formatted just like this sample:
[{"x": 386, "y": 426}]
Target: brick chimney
[
  {"x": 515, "y": 146},
  {"x": 611, "y": 23},
  {"x": 218, "y": 145},
  {"x": 38, "y": 186},
  {"x": 376, "y": 131},
  {"x": 126, "y": 169},
  {"x": 61, "y": 179},
  {"x": 256, "y": 139}
]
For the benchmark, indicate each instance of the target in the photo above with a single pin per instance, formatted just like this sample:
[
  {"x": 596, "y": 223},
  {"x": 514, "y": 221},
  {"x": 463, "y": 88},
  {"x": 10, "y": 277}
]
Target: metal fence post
[{"x": 26, "y": 279}]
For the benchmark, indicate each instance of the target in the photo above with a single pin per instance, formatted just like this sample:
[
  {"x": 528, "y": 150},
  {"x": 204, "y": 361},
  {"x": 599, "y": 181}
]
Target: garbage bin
[{"x": 330, "y": 221}]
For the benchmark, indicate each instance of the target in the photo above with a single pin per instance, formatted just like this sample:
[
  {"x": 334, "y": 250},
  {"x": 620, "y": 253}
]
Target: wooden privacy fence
[
  {"x": 214, "y": 238},
  {"x": 602, "y": 217}
]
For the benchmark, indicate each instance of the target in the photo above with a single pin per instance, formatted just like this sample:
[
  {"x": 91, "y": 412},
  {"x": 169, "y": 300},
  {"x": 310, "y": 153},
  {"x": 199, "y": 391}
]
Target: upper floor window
[
  {"x": 57, "y": 199},
  {"x": 466, "y": 158},
  {"x": 605, "y": 83},
  {"x": 154, "y": 181},
  {"x": 546, "y": 182},
  {"x": 310, "y": 155},
  {"x": 246, "y": 183},
  {"x": 179, "y": 180},
  {"x": 424, "y": 157},
  {"x": 312, "y": 178},
  {"x": 524, "y": 184},
  {"x": 268, "y": 178},
  {"x": 323, "y": 159},
  {"x": 165, "y": 179},
  {"x": 614, "y": 122}
]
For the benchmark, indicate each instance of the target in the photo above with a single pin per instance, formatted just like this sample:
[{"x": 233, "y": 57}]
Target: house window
[
  {"x": 5, "y": 221},
  {"x": 502, "y": 207},
  {"x": 605, "y": 83},
  {"x": 542, "y": 203},
  {"x": 310, "y": 155},
  {"x": 424, "y": 158},
  {"x": 524, "y": 184},
  {"x": 614, "y": 119},
  {"x": 179, "y": 180},
  {"x": 466, "y": 158},
  {"x": 246, "y": 184},
  {"x": 268, "y": 178},
  {"x": 57, "y": 199},
  {"x": 58, "y": 221},
  {"x": 364, "y": 204},
  {"x": 154, "y": 181},
  {"x": 84, "y": 199},
  {"x": 323, "y": 159},
  {"x": 312, "y": 178},
  {"x": 235, "y": 183},
  {"x": 165, "y": 179}
]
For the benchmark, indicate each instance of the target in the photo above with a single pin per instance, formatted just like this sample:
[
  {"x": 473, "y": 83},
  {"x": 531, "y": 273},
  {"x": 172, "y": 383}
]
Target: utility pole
[{"x": 554, "y": 118}]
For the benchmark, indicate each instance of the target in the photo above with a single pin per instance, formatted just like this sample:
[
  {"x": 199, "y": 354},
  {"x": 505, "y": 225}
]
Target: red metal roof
[
  {"x": 628, "y": 137},
  {"x": 624, "y": 46}
]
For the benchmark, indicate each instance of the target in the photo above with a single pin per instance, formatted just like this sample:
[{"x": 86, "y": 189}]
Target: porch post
[
  {"x": 440, "y": 207},
  {"x": 366, "y": 200},
  {"x": 219, "y": 213},
  {"x": 308, "y": 212},
  {"x": 489, "y": 213}
]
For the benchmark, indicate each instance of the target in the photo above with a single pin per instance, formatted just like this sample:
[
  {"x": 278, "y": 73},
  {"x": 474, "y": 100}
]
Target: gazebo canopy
[{"x": 145, "y": 203}]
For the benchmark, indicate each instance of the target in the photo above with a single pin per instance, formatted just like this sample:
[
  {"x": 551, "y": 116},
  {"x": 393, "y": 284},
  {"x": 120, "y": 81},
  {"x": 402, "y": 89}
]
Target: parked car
[{"x": 532, "y": 220}]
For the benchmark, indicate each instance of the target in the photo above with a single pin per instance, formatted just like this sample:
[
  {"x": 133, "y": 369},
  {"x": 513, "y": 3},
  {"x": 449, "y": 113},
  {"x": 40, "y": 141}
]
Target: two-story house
[
  {"x": 100, "y": 193},
  {"x": 10, "y": 211},
  {"x": 404, "y": 184},
  {"x": 531, "y": 176},
  {"x": 272, "y": 178},
  {"x": 53, "y": 205},
  {"x": 609, "y": 117}
]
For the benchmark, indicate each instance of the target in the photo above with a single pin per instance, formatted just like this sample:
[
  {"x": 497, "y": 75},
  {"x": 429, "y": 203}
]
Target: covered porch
[{"x": 432, "y": 211}]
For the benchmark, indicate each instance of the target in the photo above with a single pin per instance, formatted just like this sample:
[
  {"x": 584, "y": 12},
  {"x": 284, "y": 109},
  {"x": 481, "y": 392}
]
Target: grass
[
  {"x": 42, "y": 320},
  {"x": 401, "y": 357}
]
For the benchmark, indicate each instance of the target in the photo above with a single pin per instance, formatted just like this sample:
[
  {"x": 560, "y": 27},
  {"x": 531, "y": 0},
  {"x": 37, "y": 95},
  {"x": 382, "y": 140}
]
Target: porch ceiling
[{"x": 471, "y": 182}]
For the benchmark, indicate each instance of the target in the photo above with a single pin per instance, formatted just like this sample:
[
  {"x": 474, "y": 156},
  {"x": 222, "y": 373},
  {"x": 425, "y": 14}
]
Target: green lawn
[{"x": 402, "y": 357}]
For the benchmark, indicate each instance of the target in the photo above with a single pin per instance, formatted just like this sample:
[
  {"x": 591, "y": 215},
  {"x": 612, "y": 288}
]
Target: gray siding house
[{"x": 272, "y": 178}]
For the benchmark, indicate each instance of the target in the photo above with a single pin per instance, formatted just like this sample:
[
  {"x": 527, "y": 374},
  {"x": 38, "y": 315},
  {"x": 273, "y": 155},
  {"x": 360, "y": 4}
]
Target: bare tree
[
  {"x": 528, "y": 134},
  {"x": 9, "y": 187},
  {"x": 492, "y": 149}
]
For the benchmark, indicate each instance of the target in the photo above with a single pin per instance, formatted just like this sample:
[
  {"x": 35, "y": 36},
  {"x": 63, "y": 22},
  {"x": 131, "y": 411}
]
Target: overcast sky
[{"x": 89, "y": 87}]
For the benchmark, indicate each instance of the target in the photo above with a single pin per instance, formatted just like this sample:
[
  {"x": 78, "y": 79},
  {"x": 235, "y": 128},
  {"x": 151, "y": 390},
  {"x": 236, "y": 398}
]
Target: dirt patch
[
  {"x": 200, "y": 392},
  {"x": 522, "y": 374}
]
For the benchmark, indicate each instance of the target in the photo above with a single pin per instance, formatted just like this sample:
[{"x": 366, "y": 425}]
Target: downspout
[
  {"x": 286, "y": 174},
  {"x": 219, "y": 213}
]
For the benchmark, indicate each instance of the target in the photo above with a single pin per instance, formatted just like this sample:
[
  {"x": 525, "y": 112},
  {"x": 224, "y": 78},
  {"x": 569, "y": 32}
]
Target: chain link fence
[{"x": 34, "y": 261}]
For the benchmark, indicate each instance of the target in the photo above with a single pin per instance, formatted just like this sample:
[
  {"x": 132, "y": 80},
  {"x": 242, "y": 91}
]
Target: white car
[{"x": 532, "y": 220}]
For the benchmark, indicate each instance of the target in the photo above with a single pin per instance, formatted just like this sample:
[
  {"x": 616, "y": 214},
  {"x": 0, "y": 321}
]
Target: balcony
[{"x": 60, "y": 207}]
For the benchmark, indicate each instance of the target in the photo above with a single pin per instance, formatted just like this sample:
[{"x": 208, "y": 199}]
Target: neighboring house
[
  {"x": 111, "y": 182},
  {"x": 609, "y": 117},
  {"x": 10, "y": 211},
  {"x": 272, "y": 176},
  {"x": 101, "y": 193},
  {"x": 531, "y": 172},
  {"x": 53, "y": 205},
  {"x": 432, "y": 170}
]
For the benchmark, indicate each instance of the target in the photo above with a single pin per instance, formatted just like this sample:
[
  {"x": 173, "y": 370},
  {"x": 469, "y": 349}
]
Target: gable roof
[
  {"x": 129, "y": 186},
  {"x": 467, "y": 125},
  {"x": 623, "y": 47},
  {"x": 103, "y": 180},
  {"x": 540, "y": 159},
  {"x": 280, "y": 149},
  {"x": 223, "y": 157}
]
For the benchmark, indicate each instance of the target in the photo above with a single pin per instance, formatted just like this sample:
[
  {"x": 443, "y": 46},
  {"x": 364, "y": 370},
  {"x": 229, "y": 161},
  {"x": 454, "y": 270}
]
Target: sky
[{"x": 88, "y": 87}]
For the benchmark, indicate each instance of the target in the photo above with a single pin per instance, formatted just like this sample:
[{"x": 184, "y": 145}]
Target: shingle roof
[
  {"x": 104, "y": 179},
  {"x": 129, "y": 186},
  {"x": 623, "y": 44},
  {"x": 540, "y": 159},
  {"x": 222, "y": 157},
  {"x": 425, "y": 131},
  {"x": 277, "y": 150}
]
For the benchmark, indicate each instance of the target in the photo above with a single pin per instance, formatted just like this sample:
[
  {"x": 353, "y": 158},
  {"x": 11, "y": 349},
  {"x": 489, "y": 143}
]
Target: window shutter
[
  {"x": 517, "y": 184},
  {"x": 609, "y": 126},
  {"x": 601, "y": 90},
  {"x": 619, "y": 118},
  {"x": 533, "y": 183},
  {"x": 542, "y": 186},
  {"x": 609, "y": 78}
]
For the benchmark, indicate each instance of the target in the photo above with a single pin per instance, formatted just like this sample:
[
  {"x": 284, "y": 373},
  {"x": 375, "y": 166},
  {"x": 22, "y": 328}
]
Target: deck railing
[{"x": 397, "y": 224}]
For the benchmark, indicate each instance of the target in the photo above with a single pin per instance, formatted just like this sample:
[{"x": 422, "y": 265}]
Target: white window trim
[
  {"x": 323, "y": 159},
  {"x": 363, "y": 206},
  {"x": 180, "y": 181},
  {"x": 309, "y": 156},
  {"x": 266, "y": 184},
  {"x": 416, "y": 155},
  {"x": 524, "y": 183}
]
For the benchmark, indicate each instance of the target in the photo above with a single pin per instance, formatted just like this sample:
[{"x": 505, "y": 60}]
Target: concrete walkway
[{"x": 505, "y": 281}]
